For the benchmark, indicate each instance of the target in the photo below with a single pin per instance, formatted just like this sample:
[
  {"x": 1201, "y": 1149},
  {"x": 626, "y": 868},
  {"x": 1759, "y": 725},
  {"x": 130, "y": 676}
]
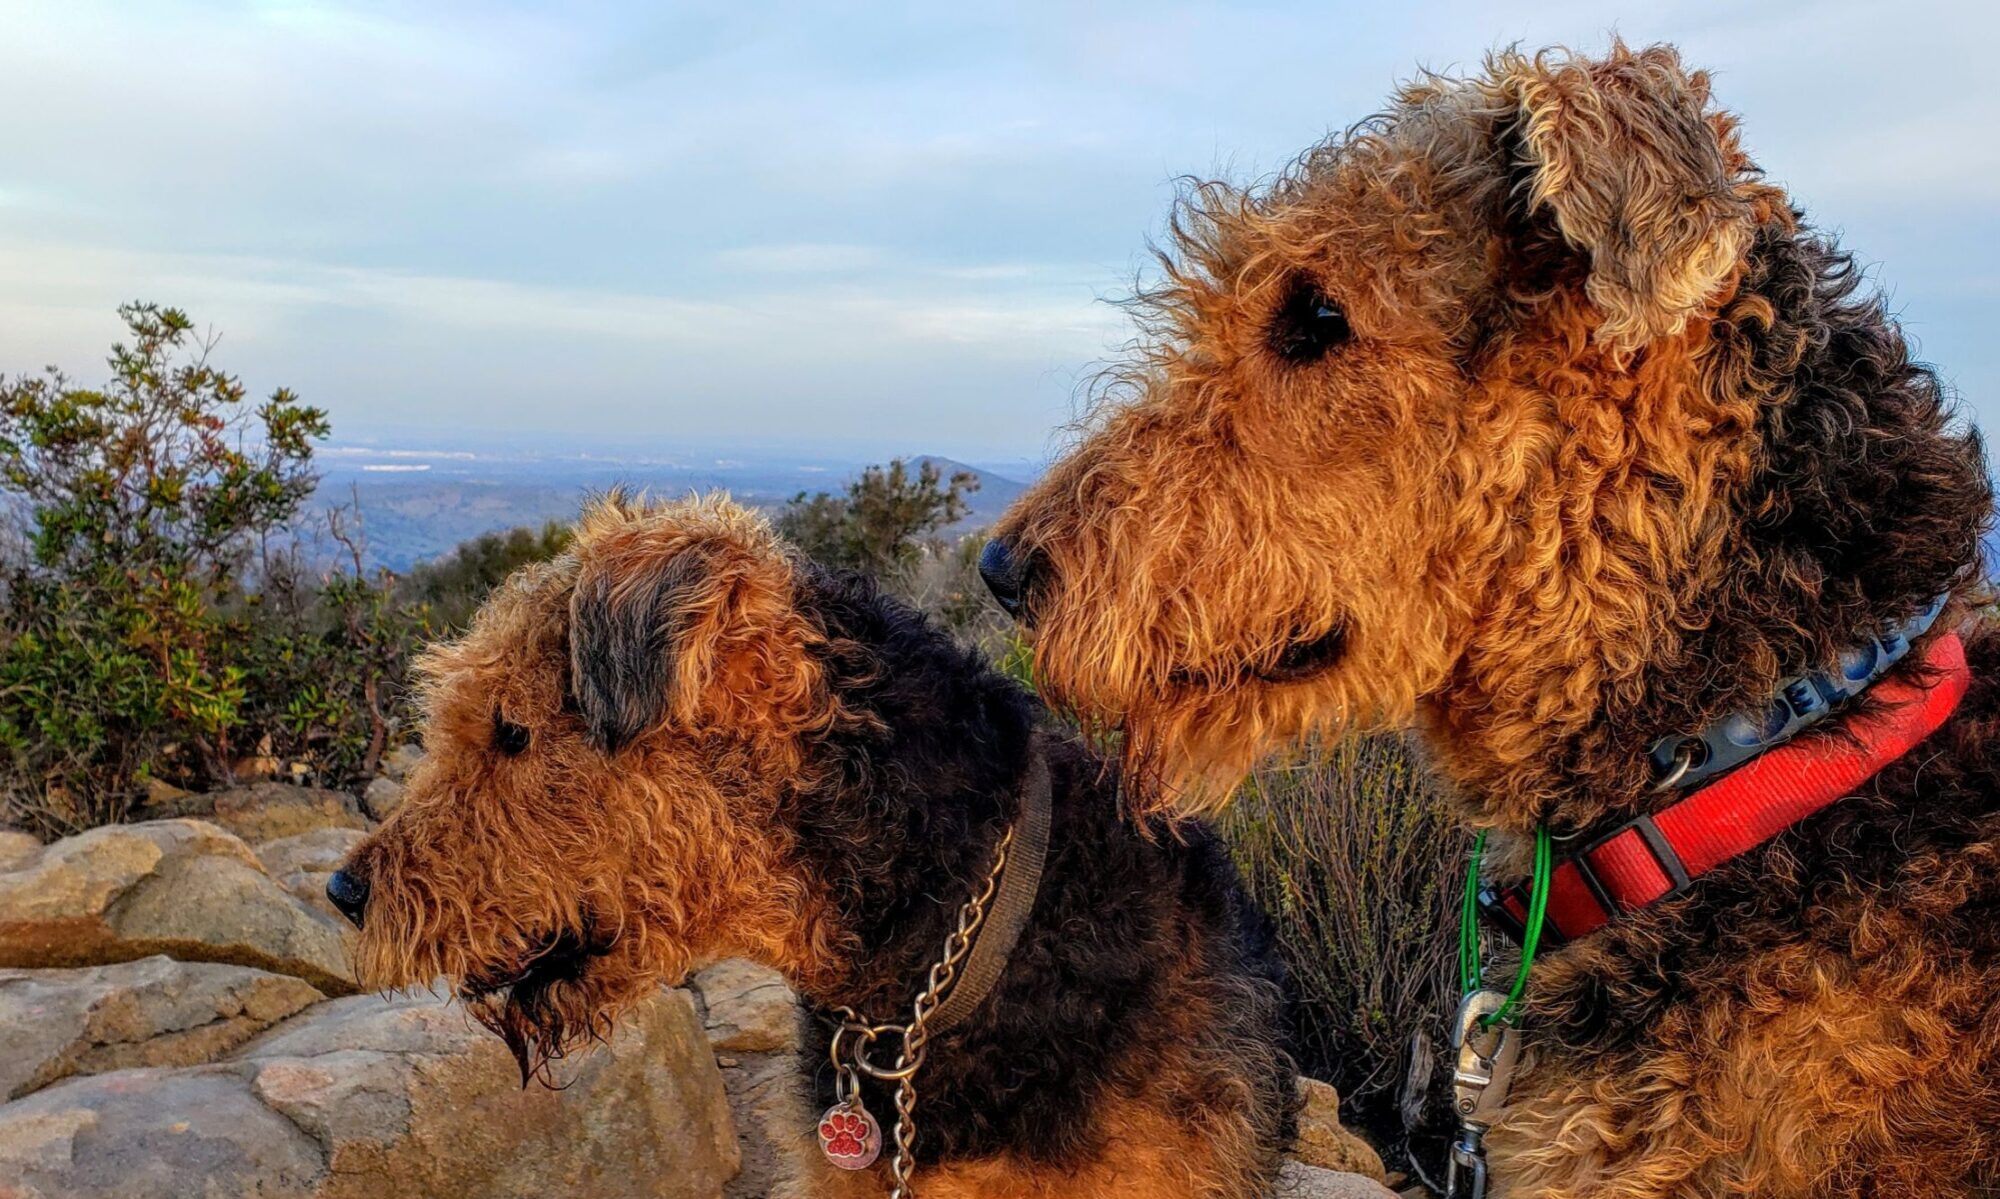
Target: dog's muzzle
[
  {"x": 349, "y": 893},
  {"x": 1010, "y": 576}
]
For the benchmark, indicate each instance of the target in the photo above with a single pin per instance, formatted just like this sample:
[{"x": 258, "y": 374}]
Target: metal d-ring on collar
[{"x": 1798, "y": 702}]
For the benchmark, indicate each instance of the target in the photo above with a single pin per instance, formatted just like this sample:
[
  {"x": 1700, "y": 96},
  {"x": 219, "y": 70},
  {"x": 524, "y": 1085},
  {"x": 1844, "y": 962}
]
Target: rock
[
  {"x": 401, "y": 761},
  {"x": 1300, "y": 1181},
  {"x": 17, "y": 849},
  {"x": 267, "y": 811},
  {"x": 302, "y": 864},
  {"x": 774, "y": 1123},
  {"x": 1323, "y": 1142},
  {"x": 183, "y": 888},
  {"x": 365, "y": 1098},
  {"x": 161, "y": 794},
  {"x": 143, "y": 1134},
  {"x": 382, "y": 797},
  {"x": 752, "y": 1018},
  {"x": 152, "y": 1012},
  {"x": 750, "y": 1008}
]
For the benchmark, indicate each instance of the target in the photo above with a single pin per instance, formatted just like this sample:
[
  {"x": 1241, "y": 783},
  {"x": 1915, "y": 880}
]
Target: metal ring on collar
[{"x": 1683, "y": 762}]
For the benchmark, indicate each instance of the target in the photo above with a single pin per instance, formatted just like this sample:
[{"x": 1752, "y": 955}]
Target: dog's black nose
[
  {"x": 349, "y": 893},
  {"x": 1006, "y": 574}
]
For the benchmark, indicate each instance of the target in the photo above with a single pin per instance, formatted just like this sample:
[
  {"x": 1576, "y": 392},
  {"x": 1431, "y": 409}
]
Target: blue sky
[{"x": 891, "y": 227}]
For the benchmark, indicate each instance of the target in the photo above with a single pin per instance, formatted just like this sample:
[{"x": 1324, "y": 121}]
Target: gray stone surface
[
  {"x": 400, "y": 762},
  {"x": 750, "y": 1008},
  {"x": 152, "y": 1012},
  {"x": 382, "y": 797},
  {"x": 1300, "y": 1181},
  {"x": 302, "y": 864},
  {"x": 264, "y": 812},
  {"x": 183, "y": 888},
  {"x": 366, "y": 1098}
]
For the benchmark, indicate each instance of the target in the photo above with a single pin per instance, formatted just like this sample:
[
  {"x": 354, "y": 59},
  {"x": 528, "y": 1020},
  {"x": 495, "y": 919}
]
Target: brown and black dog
[
  {"x": 680, "y": 742},
  {"x": 1529, "y": 415}
]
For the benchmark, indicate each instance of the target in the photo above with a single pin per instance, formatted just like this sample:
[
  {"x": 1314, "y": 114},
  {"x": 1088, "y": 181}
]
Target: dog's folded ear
[
  {"x": 1639, "y": 176},
  {"x": 684, "y": 614},
  {"x": 625, "y": 620}
]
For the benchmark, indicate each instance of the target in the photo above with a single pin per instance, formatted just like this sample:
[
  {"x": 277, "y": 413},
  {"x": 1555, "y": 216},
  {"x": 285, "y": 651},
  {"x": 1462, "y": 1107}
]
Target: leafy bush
[
  {"x": 1355, "y": 856},
  {"x": 879, "y": 526},
  {"x": 139, "y": 505},
  {"x": 327, "y": 660}
]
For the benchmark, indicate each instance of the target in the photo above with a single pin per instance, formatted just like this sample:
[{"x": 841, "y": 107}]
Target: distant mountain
[
  {"x": 418, "y": 503},
  {"x": 996, "y": 492}
]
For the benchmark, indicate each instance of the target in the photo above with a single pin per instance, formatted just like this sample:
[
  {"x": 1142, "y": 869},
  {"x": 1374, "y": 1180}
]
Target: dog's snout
[
  {"x": 1009, "y": 575},
  {"x": 348, "y": 891}
]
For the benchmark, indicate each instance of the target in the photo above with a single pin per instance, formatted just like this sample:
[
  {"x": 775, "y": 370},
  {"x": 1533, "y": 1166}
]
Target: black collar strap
[
  {"x": 1020, "y": 880},
  {"x": 1683, "y": 761}
]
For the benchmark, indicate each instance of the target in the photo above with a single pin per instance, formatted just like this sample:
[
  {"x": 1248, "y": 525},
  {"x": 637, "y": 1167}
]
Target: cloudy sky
[{"x": 891, "y": 226}]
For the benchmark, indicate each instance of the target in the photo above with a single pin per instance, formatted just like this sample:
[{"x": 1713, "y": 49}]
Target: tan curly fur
[
  {"x": 1528, "y": 415},
  {"x": 680, "y": 742},
  {"x": 668, "y": 854}
]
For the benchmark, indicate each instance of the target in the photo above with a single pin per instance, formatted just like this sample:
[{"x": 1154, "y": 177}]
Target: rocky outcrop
[
  {"x": 152, "y": 1012},
  {"x": 182, "y": 888},
  {"x": 17, "y": 849},
  {"x": 220, "y": 1068},
  {"x": 264, "y": 812},
  {"x": 752, "y": 1019},
  {"x": 302, "y": 864},
  {"x": 400, "y": 762},
  {"x": 749, "y": 1008},
  {"x": 367, "y": 1099},
  {"x": 1300, "y": 1181},
  {"x": 382, "y": 797},
  {"x": 1324, "y": 1142}
]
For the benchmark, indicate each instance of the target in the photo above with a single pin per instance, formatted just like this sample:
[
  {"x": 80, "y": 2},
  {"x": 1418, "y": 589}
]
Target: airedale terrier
[
  {"x": 1529, "y": 415},
  {"x": 680, "y": 742}
]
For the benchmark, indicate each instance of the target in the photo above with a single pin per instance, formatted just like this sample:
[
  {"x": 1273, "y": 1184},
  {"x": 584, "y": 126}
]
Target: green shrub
[
  {"x": 454, "y": 586},
  {"x": 879, "y": 525},
  {"x": 138, "y": 507},
  {"x": 1353, "y": 853},
  {"x": 327, "y": 658}
]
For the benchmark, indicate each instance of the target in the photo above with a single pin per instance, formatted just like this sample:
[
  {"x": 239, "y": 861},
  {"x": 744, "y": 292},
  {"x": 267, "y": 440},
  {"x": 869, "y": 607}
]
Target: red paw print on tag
[{"x": 849, "y": 1138}]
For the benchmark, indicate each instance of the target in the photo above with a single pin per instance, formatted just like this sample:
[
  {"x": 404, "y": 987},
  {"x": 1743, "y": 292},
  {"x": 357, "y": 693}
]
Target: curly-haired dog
[
  {"x": 1529, "y": 415},
  {"x": 680, "y": 742}
]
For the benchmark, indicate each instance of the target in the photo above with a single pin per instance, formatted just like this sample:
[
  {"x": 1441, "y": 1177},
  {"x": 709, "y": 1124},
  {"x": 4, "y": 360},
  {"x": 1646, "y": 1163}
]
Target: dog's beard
[
  {"x": 542, "y": 1023},
  {"x": 545, "y": 1009}
]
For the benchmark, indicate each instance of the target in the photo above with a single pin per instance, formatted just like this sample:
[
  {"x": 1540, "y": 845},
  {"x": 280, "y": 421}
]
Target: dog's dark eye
[
  {"x": 509, "y": 738},
  {"x": 1307, "y": 324}
]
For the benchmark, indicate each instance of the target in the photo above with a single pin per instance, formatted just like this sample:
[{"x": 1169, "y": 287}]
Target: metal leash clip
[{"x": 1485, "y": 1055}]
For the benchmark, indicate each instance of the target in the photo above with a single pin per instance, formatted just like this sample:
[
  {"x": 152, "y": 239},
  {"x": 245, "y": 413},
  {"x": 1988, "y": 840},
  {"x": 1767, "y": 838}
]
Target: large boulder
[
  {"x": 152, "y": 1012},
  {"x": 402, "y": 761},
  {"x": 1300, "y": 1181},
  {"x": 147, "y": 1134},
  {"x": 182, "y": 888},
  {"x": 382, "y": 797},
  {"x": 369, "y": 1099},
  {"x": 17, "y": 849},
  {"x": 302, "y": 864},
  {"x": 750, "y": 1008},
  {"x": 267, "y": 811},
  {"x": 1324, "y": 1142},
  {"x": 753, "y": 1021}
]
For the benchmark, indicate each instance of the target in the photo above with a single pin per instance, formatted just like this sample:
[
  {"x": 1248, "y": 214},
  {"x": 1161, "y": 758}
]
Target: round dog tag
[{"x": 849, "y": 1136}]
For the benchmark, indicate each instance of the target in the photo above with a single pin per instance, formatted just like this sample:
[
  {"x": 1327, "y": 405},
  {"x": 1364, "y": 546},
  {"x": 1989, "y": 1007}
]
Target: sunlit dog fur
[
  {"x": 679, "y": 742},
  {"x": 1530, "y": 415}
]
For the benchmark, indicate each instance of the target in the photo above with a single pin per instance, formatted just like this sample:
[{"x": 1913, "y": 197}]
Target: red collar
[{"x": 1656, "y": 857}]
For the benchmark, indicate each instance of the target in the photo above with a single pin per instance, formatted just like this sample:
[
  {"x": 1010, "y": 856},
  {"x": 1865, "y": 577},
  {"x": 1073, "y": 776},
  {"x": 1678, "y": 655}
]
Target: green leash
[{"x": 1468, "y": 925}]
